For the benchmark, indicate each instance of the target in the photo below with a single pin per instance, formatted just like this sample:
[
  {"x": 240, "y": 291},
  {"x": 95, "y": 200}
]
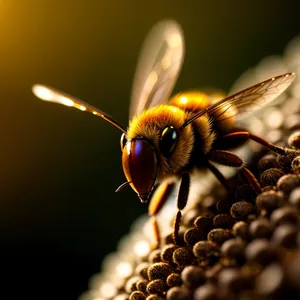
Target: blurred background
[{"x": 59, "y": 167}]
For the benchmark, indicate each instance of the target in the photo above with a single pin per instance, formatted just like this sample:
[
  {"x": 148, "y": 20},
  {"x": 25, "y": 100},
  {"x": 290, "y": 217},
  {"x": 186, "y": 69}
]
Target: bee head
[
  {"x": 140, "y": 166},
  {"x": 158, "y": 128}
]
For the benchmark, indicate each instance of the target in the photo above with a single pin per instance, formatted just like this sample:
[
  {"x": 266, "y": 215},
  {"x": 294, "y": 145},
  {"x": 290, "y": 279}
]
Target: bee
[{"x": 168, "y": 138}]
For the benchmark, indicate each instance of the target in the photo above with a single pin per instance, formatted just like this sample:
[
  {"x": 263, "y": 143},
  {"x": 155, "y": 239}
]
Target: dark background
[{"x": 59, "y": 167}]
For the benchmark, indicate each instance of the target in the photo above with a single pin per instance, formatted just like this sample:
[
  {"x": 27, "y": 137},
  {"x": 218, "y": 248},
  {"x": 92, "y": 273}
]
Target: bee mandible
[{"x": 169, "y": 138}]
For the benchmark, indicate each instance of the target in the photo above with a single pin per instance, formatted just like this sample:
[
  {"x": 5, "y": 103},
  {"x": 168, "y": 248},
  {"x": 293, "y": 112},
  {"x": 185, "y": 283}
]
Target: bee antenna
[
  {"x": 122, "y": 186},
  {"x": 47, "y": 93}
]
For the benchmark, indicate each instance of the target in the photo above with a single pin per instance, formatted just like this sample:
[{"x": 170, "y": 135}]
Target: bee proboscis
[{"x": 168, "y": 138}]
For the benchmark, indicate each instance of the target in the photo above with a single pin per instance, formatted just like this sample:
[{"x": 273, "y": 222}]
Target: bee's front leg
[
  {"x": 157, "y": 201},
  {"x": 181, "y": 203}
]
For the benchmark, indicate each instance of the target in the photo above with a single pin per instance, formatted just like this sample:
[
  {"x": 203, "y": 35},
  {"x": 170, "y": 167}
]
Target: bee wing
[
  {"x": 159, "y": 65},
  {"x": 50, "y": 94},
  {"x": 247, "y": 100}
]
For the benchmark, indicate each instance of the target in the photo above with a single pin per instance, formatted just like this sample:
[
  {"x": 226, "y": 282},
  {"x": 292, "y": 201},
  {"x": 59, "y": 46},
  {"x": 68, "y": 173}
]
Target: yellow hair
[{"x": 150, "y": 125}]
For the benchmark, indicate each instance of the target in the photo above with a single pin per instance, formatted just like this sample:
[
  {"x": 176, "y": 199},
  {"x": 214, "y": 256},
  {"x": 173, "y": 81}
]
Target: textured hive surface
[{"x": 240, "y": 245}]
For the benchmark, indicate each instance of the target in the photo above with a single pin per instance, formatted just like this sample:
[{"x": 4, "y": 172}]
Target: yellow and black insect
[{"x": 169, "y": 138}]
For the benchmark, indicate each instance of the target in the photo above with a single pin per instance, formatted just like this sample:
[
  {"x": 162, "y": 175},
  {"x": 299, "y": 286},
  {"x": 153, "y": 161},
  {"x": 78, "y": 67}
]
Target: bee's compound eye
[
  {"x": 168, "y": 141},
  {"x": 123, "y": 141}
]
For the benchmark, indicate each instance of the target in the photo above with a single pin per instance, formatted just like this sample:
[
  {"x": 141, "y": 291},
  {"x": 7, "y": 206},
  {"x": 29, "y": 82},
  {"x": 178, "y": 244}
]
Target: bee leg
[
  {"x": 243, "y": 136},
  {"x": 252, "y": 180},
  {"x": 157, "y": 201},
  {"x": 219, "y": 176},
  {"x": 276, "y": 149},
  {"x": 181, "y": 203},
  {"x": 230, "y": 159}
]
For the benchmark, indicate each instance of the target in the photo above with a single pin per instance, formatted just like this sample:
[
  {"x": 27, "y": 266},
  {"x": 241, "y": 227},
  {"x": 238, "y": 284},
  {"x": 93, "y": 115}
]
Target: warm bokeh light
[
  {"x": 274, "y": 118},
  {"x": 183, "y": 100},
  {"x": 124, "y": 269},
  {"x": 142, "y": 248},
  {"x": 107, "y": 290}
]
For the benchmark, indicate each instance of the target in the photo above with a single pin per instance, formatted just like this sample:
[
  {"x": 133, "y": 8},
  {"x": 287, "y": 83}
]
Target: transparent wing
[
  {"x": 247, "y": 100},
  {"x": 266, "y": 68},
  {"x": 159, "y": 65},
  {"x": 50, "y": 94}
]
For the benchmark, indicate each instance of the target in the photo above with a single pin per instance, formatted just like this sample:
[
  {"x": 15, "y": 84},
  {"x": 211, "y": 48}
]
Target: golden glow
[
  {"x": 47, "y": 94},
  {"x": 183, "y": 100},
  {"x": 142, "y": 248},
  {"x": 42, "y": 92},
  {"x": 82, "y": 108},
  {"x": 95, "y": 113},
  {"x": 230, "y": 110},
  {"x": 108, "y": 290},
  {"x": 216, "y": 96},
  {"x": 175, "y": 40},
  {"x": 274, "y": 118},
  {"x": 63, "y": 100},
  {"x": 119, "y": 297},
  {"x": 124, "y": 269}
]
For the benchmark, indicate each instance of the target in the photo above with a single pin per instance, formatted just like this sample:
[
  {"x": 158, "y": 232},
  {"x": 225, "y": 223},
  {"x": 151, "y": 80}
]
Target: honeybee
[{"x": 169, "y": 138}]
